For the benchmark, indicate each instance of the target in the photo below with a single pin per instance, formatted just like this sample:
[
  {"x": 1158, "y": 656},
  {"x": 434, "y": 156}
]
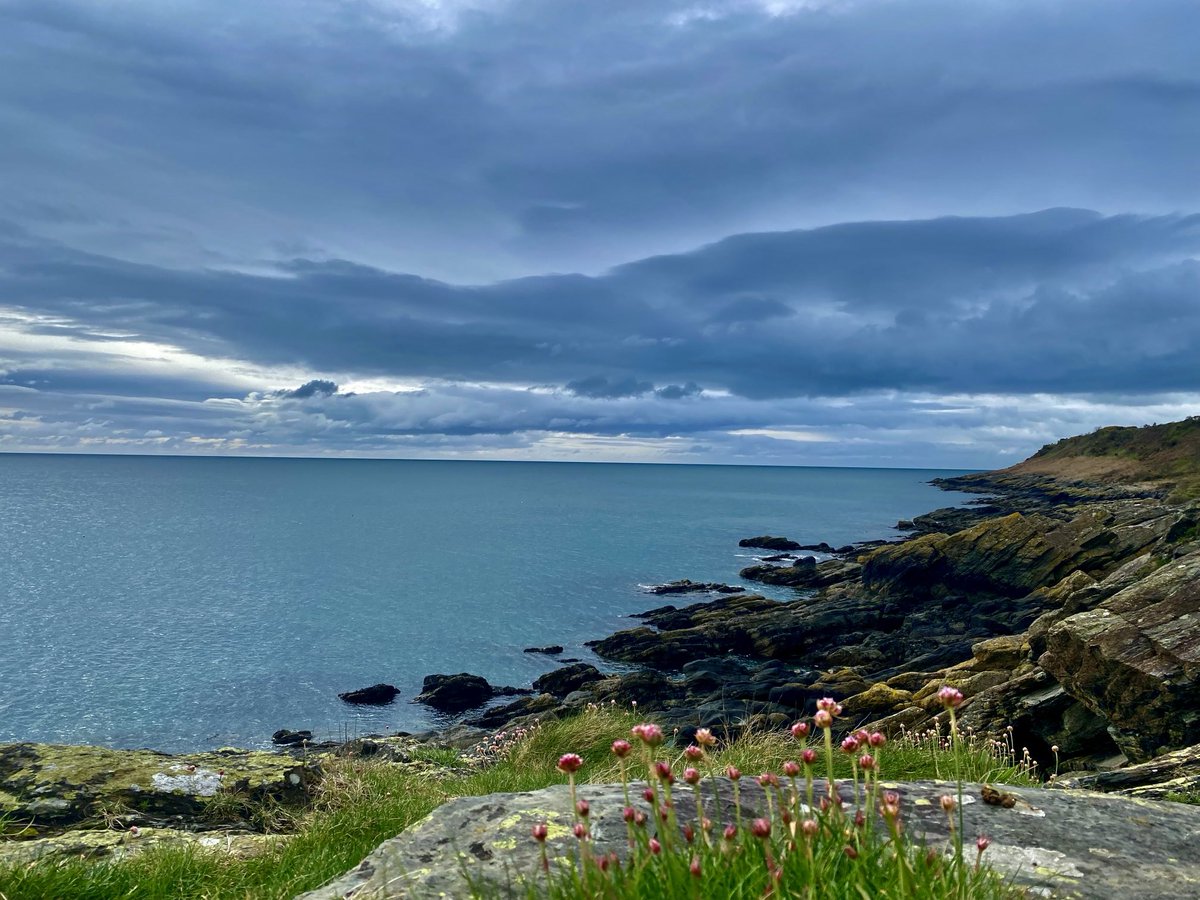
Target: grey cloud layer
[
  {"x": 475, "y": 141},
  {"x": 1064, "y": 300}
]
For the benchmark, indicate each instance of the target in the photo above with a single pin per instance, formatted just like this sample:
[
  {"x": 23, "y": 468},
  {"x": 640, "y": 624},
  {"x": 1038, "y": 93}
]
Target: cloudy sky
[{"x": 849, "y": 232}]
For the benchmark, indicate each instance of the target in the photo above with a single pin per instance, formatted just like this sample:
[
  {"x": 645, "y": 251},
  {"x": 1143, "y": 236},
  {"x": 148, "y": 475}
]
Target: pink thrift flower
[
  {"x": 691, "y": 776},
  {"x": 800, "y": 730},
  {"x": 694, "y": 868},
  {"x": 580, "y": 830},
  {"x": 823, "y": 719},
  {"x": 791, "y": 769},
  {"x": 540, "y": 831},
  {"x": 650, "y": 734},
  {"x": 810, "y": 827},
  {"x": 866, "y": 762},
  {"x": 655, "y": 846},
  {"x": 583, "y": 808},
  {"x": 809, "y": 756},
  {"x": 621, "y": 748},
  {"x": 876, "y": 739},
  {"x": 950, "y": 696},
  {"x": 730, "y": 832},
  {"x": 570, "y": 763},
  {"x": 733, "y": 773},
  {"x": 704, "y": 737},
  {"x": 693, "y": 753},
  {"x": 760, "y": 828},
  {"x": 849, "y": 744}
]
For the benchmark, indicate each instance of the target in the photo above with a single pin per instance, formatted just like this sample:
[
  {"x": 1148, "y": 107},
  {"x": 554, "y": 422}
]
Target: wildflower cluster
[
  {"x": 497, "y": 746},
  {"x": 801, "y": 827}
]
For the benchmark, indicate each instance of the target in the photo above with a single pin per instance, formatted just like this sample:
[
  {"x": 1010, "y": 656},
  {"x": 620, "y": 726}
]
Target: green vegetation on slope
[{"x": 1168, "y": 454}]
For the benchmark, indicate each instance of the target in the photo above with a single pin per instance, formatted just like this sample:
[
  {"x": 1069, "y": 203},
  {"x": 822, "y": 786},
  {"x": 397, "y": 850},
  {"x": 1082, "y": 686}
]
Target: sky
[{"x": 918, "y": 233}]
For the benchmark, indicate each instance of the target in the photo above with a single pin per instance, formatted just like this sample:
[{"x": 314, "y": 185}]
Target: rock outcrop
[
  {"x": 455, "y": 693},
  {"x": 48, "y": 787},
  {"x": 1069, "y": 844},
  {"x": 1135, "y": 659}
]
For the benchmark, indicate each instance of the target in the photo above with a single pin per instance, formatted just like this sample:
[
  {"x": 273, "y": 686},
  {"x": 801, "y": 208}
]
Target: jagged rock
[
  {"x": 499, "y": 716},
  {"x": 561, "y": 682},
  {"x": 52, "y": 786},
  {"x": 552, "y": 650},
  {"x": 376, "y": 695},
  {"x": 1135, "y": 659},
  {"x": 769, "y": 542},
  {"x": 1173, "y": 773},
  {"x": 1072, "y": 844},
  {"x": 454, "y": 693}
]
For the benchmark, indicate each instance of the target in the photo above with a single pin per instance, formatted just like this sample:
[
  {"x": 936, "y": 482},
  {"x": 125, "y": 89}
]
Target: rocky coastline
[{"x": 1066, "y": 611}]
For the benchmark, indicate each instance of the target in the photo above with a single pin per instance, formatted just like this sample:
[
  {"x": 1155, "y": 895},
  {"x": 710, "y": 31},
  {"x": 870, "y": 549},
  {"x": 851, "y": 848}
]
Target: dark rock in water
[
  {"x": 552, "y": 650},
  {"x": 800, "y": 574},
  {"x": 455, "y": 693},
  {"x": 1046, "y": 842},
  {"x": 806, "y": 572},
  {"x": 769, "y": 542},
  {"x": 778, "y": 557},
  {"x": 694, "y": 587},
  {"x": 376, "y": 695},
  {"x": 561, "y": 682},
  {"x": 284, "y": 738}
]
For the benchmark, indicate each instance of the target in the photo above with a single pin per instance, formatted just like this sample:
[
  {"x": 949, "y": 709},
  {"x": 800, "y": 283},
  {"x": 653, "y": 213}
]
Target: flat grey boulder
[{"x": 1058, "y": 843}]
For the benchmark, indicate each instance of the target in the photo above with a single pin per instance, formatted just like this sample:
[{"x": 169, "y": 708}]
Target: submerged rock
[
  {"x": 552, "y": 650},
  {"x": 1074, "y": 844}
]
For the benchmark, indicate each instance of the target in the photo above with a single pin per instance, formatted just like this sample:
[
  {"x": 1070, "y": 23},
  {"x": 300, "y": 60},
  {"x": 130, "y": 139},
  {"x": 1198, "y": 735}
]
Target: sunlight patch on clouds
[{"x": 801, "y": 436}]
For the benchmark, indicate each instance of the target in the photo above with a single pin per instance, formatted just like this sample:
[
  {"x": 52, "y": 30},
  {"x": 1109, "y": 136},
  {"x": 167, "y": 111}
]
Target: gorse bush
[{"x": 808, "y": 839}]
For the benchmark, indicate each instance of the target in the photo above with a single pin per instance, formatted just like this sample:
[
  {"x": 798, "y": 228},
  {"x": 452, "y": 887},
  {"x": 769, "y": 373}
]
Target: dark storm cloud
[
  {"x": 1064, "y": 300},
  {"x": 479, "y": 140}
]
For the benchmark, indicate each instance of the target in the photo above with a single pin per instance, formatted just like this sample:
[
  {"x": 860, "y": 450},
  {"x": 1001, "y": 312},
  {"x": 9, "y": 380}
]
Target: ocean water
[{"x": 183, "y": 603}]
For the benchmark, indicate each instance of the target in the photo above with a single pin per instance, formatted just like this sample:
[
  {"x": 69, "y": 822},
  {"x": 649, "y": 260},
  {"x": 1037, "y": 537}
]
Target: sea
[{"x": 184, "y": 603}]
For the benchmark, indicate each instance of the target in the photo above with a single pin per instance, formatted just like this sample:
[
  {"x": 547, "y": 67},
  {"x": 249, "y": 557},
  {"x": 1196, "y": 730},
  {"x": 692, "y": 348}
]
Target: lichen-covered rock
[
  {"x": 51, "y": 786},
  {"x": 1062, "y": 843},
  {"x": 1135, "y": 659},
  {"x": 113, "y": 844}
]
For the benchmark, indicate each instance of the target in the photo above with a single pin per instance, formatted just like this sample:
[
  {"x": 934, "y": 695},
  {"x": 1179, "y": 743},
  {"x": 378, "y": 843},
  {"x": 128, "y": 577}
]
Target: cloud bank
[{"x": 850, "y": 231}]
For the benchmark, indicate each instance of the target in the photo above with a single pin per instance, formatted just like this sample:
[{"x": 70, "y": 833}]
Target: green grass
[{"x": 361, "y": 803}]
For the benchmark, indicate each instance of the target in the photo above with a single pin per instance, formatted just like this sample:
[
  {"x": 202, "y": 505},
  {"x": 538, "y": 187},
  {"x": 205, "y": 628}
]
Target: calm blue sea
[{"x": 183, "y": 603}]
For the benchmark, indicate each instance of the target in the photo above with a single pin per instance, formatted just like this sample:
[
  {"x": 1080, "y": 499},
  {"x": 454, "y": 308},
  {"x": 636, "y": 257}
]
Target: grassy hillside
[{"x": 1167, "y": 454}]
